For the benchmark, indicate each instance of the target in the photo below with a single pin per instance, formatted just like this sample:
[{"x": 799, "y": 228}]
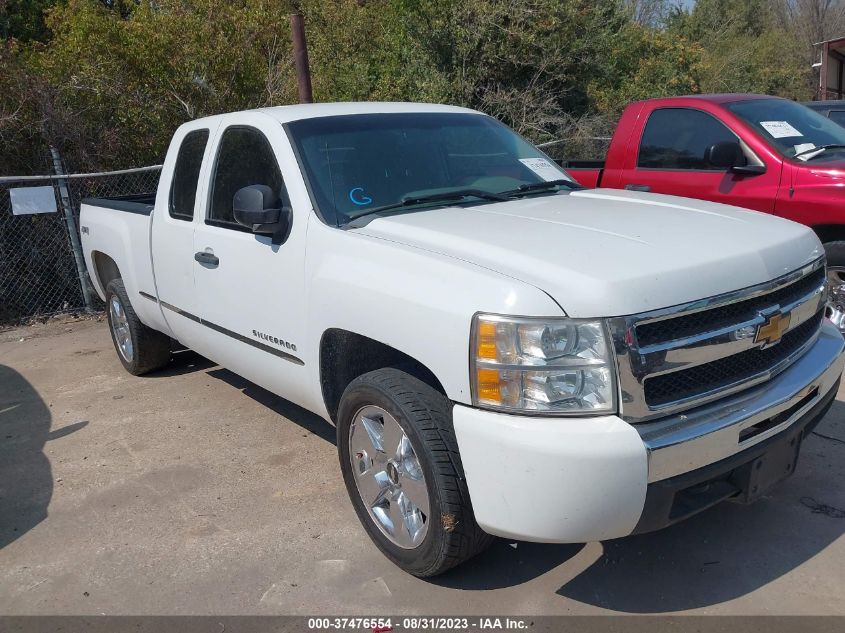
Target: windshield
[
  {"x": 791, "y": 128},
  {"x": 358, "y": 162}
]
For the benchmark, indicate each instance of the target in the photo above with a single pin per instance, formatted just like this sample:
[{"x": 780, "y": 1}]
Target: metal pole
[
  {"x": 300, "y": 57},
  {"x": 70, "y": 222}
]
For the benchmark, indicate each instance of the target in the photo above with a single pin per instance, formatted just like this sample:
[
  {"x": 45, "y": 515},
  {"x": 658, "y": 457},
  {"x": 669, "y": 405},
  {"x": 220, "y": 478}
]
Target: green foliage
[
  {"x": 527, "y": 62},
  {"x": 121, "y": 81},
  {"x": 23, "y": 19},
  {"x": 646, "y": 63},
  {"x": 746, "y": 48},
  {"x": 108, "y": 81}
]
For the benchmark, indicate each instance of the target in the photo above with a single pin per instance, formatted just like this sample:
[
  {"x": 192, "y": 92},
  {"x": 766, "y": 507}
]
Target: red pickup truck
[{"x": 763, "y": 153}]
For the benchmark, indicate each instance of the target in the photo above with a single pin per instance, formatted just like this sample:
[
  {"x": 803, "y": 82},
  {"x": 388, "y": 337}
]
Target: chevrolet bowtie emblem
[{"x": 770, "y": 332}]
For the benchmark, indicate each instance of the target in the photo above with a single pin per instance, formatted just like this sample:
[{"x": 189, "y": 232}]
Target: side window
[
  {"x": 183, "y": 189},
  {"x": 677, "y": 138},
  {"x": 244, "y": 158},
  {"x": 837, "y": 116}
]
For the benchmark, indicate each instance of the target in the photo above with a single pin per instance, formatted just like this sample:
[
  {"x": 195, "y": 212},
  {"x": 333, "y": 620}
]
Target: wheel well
[
  {"x": 106, "y": 268},
  {"x": 830, "y": 232},
  {"x": 345, "y": 355}
]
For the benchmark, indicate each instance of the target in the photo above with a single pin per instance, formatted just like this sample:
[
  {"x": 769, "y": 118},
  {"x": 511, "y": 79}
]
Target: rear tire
[
  {"x": 139, "y": 348},
  {"x": 436, "y": 529}
]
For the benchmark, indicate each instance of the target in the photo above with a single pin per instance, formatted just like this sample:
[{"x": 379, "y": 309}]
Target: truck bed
[
  {"x": 141, "y": 204},
  {"x": 586, "y": 172},
  {"x": 115, "y": 234}
]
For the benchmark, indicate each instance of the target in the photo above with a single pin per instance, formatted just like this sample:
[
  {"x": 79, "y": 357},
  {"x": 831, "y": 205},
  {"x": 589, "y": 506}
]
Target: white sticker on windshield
[
  {"x": 804, "y": 147},
  {"x": 543, "y": 168},
  {"x": 780, "y": 129}
]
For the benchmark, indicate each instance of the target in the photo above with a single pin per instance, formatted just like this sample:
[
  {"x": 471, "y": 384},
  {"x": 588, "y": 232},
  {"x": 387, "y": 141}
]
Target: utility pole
[{"x": 300, "y": 53}]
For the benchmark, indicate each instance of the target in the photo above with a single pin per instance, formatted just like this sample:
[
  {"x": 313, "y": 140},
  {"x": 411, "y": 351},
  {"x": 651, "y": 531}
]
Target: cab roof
[
  {"x": 288, "y": 113},
  {"x": 726, "y": 97}
]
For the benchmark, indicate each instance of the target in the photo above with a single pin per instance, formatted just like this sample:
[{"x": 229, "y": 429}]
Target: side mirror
[
  {"x": 749, "y": 170},
  {"x": 725, "y": 154},
  {"x": 258, "y": 208},
  {"x": 729, "y": 155}
]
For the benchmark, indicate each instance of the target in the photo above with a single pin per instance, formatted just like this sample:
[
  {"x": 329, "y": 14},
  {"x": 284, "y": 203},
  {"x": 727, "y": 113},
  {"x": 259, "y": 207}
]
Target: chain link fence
[{"x": 41, "y": 267}]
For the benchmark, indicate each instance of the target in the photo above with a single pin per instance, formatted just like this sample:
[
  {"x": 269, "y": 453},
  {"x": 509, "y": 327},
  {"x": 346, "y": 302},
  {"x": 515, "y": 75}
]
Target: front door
[
  {"x": 251, "y": 292},
  {"x": 672, "y": 159}
]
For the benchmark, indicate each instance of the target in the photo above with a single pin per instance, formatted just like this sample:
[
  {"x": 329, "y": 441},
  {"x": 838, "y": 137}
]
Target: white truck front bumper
[{"x": 573, "y": 480}]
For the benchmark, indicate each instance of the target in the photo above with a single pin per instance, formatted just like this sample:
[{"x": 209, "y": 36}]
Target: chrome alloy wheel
[
  {"x": 389, "y": 477},
  {"x": 120, "y": 329},
  {"x": 835, "y": 310}
]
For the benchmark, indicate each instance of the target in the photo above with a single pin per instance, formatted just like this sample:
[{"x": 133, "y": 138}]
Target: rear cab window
[{"x": 183, "y": 188}]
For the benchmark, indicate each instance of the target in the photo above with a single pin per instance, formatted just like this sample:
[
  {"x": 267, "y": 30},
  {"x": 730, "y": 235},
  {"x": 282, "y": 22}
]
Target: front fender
[
  {"x": 418, "y": 302},
  {"x": 816, "y": 196}
]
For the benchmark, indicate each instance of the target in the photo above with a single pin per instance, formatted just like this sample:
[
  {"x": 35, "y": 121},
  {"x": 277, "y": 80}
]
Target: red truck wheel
[{"x": 836, "y": 282}]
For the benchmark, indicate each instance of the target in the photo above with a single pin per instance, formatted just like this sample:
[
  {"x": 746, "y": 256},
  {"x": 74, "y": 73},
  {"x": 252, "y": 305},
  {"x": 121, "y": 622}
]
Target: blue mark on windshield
[{"x": 357, "y": 196}]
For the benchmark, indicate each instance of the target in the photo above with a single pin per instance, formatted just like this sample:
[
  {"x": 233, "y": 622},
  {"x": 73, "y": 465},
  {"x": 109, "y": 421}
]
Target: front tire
[
  {"x": 139, "y": 348},
  {"x": 403, "y": 472}
]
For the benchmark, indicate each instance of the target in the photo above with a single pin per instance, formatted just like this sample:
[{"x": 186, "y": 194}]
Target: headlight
[{"x": 556, "y": 366}]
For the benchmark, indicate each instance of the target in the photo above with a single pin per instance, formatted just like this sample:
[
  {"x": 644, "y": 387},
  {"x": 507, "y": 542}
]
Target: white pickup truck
[{"x": 502, "y": 352}]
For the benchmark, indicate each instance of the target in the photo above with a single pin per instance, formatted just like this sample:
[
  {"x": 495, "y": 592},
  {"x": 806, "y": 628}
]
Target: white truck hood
[{"x": 605, "y": 252}]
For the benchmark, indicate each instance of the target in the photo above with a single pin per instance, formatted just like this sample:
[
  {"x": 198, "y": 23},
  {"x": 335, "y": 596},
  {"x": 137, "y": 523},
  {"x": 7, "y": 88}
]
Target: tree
[
  {"x": 122, "y": 79},
  {"x": 651, "y": 13},
  {"x": 23, "y": 19},
  {"x": 745, "y": 48},
  {"x": 108, "y": 81},
  {"x": 646, "y": 63}
]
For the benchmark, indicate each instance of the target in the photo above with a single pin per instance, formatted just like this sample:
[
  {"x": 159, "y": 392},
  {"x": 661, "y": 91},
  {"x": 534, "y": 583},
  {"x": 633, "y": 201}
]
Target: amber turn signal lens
[
  {"x": 486, "y": 340},
  {"x": 488, "y": 385}
]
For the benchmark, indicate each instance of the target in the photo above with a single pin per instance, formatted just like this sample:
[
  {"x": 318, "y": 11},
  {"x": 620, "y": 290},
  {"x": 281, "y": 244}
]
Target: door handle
[
  {"x": 637, "y": 187},
  {"x": 204, "y": 257}
]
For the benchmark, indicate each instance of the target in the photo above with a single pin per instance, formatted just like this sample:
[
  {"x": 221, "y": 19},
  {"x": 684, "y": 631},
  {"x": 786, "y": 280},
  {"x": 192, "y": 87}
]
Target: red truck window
[{"x": 678, "y": 138}]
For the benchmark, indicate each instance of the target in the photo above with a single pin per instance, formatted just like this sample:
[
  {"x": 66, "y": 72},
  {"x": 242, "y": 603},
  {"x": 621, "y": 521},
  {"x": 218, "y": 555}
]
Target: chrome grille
[
  {"x": 688, "y": 383},
  {"x": 677, "y": 358},
  {"x": 704, "y": 320}
]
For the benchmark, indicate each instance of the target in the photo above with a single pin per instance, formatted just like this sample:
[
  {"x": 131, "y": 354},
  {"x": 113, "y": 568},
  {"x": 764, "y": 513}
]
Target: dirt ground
[{"x": 192, "y": 491}]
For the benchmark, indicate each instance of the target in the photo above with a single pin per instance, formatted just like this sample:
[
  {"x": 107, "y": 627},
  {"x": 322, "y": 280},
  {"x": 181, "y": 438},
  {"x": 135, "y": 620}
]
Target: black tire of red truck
[{"x": 835, "y": 311}]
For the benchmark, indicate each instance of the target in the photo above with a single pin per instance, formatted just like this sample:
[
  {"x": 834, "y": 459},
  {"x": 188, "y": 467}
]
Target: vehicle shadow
[
  {"x": 724, "y": 553},
  {"x": 309, "y": 421},
  {"x": 730, "y": 550},
  {"x": 506, "y": 564},
  {"x": 187, "y": 361},
  {"x": 184, "y": 361},
  {"x": 26, "y": 479}
]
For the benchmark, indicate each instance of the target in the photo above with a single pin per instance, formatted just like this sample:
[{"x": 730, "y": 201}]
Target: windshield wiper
[
  {"x": 454, "y": 195},
  {"x": 818, "y": 150},
  {"x": 540, "y": 186}
]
